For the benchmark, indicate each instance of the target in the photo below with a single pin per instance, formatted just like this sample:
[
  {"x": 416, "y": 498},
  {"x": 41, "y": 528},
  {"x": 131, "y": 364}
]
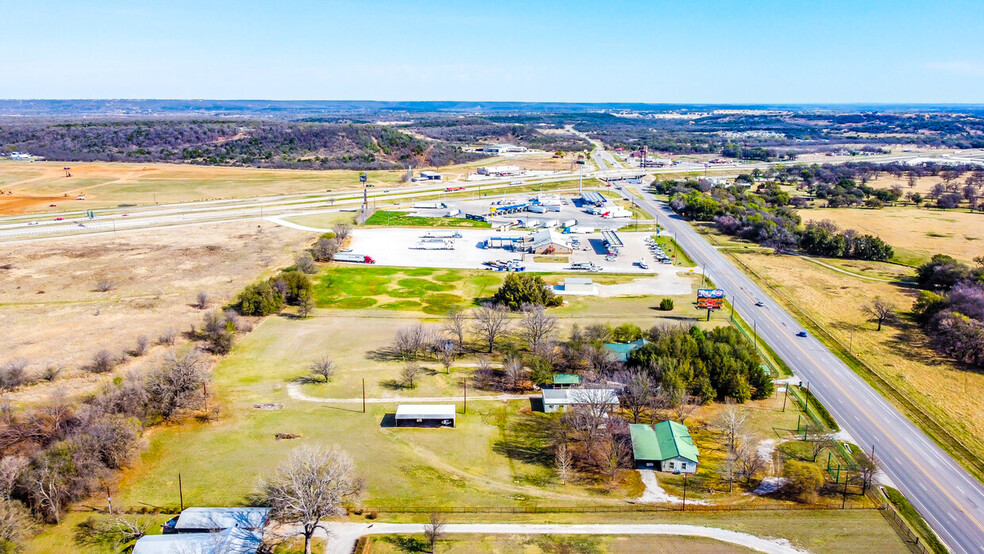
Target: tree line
[{"x": 951, "y": 312}]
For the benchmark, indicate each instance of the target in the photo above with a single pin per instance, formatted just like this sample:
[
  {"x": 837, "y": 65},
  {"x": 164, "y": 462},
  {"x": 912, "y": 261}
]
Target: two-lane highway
[{"x": 950, "y": 499}]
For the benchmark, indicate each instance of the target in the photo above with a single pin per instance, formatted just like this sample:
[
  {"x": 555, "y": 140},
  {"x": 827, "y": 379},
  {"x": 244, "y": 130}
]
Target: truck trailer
[{"x": 353, "y": 258}]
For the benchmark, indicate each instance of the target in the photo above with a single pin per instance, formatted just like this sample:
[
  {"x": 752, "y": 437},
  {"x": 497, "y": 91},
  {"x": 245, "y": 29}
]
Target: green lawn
[{"x": 402, "y": 219}]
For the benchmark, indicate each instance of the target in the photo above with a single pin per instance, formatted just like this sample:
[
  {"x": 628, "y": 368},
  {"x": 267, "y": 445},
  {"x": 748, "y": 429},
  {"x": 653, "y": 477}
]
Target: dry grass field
[
  {"x": 951, "y": 395},
  {"x": 34, "y": 186},
  {"x": 915, "y": 233},
  {"x": 52, "y": 314}
]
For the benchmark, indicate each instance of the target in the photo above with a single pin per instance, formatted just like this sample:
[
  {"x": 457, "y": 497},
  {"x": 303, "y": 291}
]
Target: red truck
[{"x": 353, "y": 258}]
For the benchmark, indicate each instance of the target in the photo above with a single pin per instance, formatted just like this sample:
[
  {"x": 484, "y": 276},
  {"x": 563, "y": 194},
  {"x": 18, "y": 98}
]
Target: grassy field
[
  {"x": 105, "y": 184},
  {"x": 532, "y": 544},
  {"x": 403, "y": 219},
  {"x": 897, "y": 353},
  {"x": 915, "y": 233}
]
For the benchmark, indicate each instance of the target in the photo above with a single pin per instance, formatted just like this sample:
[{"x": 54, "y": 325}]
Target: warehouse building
[
  {"x": 425, "y": 415},
  {"x": 548, "y": 241},
  {"x": 592, "y": 198}
]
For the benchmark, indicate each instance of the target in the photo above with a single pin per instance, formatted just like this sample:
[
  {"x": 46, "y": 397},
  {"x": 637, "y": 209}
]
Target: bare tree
[
  {"x": 819, "y": 440},
  {"x": 729, "y": 469},
  {"x": 178, "y": 384},
  {"x": 310, "y": 486},
  {"x": 10, "y": 468},
  {"x": 411, "y": 340},
  {"x": 140, "y": 348},
  {"x": 434, "y": 529},
  {"x": 456, "y": 325},
  {"x": 750, "y": 463},
  {"x": 324, "y": 366},
  {"x": 410, "y": 373},
  {"x": 305, "y": 263},
  {"x": 867, "y": 468},
  {"x": 16, "y": 525},
  {"x": 563, "y": 461},
  {"x": 880, "y": 310},
  {"x": 341, "y": 230},
  {"x": 202, "y": 300},
  {"x": 515, "y": 371},
  {"x": 637, "y": 394},
  {"x": 167, "y": 336},
  {"x": 491, "y": 321},
  {"x": 324, "y": 250},
  {"x": 615, "y": 449},
  {"x": 446, "y": 353},
  {"x": 731, "y": 422},
  {"x": 538, "y": 327},
  {"x": 115, "y": 534},
  {"x": 685, "y": 405}
]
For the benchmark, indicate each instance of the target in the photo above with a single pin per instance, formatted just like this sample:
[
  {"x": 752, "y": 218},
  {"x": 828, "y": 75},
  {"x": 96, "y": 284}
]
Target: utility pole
[
  {"x": 785, "y": 396},
  {"x": 684, "y": 491},
  {"x": 181, "y": 493},
  {"x": 363, "y": 395},
  {"x": 847, "y": 476},
  {"x": 464, "y": 384}
]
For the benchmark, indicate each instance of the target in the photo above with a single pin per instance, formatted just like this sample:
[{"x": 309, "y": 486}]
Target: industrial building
[
  {"x": 555, "y": 400},
  {"x": 548, "y": 241},
  {"x": 666, "y": 446},
  {"x": 497, "y": 149},
  {"x": 430, "y": 176},
  {"x": 592, "y": 198},
  {"x": 425, "y": 415},
  {"x": 578, "y": 285},
  {"x": 500, "y": 171}
]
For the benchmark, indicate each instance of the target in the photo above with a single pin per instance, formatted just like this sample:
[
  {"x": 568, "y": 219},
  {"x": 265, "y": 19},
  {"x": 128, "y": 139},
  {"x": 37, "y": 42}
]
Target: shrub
[
  {"x": 102, "y": 362},
  {"x": 13, "y": 374},
  {"x": 167, "y": 336},
  {"x": 520, "y": 289},
  {"x": 140, "y": 348},
  {"x": 804, "y": 480},
  {"x": 666, "y": 304},
  {"x": 259, "y": 299}
]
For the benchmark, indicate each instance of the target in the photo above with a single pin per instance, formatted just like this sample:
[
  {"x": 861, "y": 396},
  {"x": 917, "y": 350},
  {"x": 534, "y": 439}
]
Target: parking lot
[{"x": 402, "y": 247}]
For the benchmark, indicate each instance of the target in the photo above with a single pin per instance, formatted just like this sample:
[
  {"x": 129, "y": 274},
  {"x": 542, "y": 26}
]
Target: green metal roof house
[
  {"x": 666, "y": 446},
  {"x": 566, "y": 379},
  {"x": 622, "y": 350}
]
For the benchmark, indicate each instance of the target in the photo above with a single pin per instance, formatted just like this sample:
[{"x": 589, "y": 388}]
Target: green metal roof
[
  {"x": 566, "y": 379},
  {"x": 663, "y": 441}
]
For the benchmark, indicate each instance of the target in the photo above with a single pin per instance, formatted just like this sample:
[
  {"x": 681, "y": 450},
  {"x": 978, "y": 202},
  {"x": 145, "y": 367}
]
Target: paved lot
[{"x": 396, "y": 247}]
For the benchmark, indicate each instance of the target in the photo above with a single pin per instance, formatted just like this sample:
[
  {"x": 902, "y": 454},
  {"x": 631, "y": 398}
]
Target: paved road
[
  {"x": 345, "y": 535},
  {"x": 950, "y": 499}
]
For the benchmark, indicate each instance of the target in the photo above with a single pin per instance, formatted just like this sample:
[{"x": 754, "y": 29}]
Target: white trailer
[{"x": 569, "y": 223}]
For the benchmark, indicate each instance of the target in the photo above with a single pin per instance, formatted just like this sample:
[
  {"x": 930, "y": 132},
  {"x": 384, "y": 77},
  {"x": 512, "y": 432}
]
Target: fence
[
  {"x": 645, "y": 508},
  {"x": 908, "y": 536}
]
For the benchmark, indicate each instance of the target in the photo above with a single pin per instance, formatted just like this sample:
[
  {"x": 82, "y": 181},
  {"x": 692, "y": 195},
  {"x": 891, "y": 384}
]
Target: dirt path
[
  {"x": 294, "y": 391},
  {"x": 344, "y": 535},
  {"x": 846, "y": 272}
]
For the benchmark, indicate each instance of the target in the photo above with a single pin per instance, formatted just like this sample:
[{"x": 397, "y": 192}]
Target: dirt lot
[
  {"x": 52, "y": 314},
  {"x": 915, "y": 233}
]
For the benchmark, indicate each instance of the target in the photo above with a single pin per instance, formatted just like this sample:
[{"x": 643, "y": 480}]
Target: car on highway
[
  {"x": 760, "y": 304},
  {"x": 33, "y": 223},
  {"x": 126, "y": 215},
  {"x": 52, "y": 205},
  {"x": 801, "y": 334},
  {"x": 59, "y": 218}
]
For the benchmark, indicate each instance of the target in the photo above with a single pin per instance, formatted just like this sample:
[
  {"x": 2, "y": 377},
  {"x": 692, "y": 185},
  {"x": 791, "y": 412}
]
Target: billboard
[{"x": 710, "y": 299}]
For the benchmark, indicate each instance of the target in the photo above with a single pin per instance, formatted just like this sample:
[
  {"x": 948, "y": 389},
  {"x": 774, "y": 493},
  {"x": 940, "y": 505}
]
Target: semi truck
[{"x": 353, "y": 258}]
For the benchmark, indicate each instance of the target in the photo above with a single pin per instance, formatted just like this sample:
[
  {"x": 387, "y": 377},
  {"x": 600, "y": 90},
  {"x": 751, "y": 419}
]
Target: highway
[{"x": 948, "y": 497}]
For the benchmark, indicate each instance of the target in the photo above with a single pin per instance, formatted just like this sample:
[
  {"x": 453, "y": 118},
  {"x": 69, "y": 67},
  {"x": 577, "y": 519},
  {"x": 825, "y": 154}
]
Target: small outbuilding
[
  {"x": 565, "y": 380},
  {"x": 555, "y": 400},
  {"x": 425, "y": 415},
  {"x": 549, "y": 241},
  {"x": 666, "y": 446},
  {"x": 578, "y": 285},
  {"x": 210, "y": 520}
]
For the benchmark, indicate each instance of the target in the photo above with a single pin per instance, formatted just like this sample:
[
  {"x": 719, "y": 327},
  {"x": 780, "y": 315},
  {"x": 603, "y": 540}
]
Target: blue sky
[{"x": 616, "y": 51}]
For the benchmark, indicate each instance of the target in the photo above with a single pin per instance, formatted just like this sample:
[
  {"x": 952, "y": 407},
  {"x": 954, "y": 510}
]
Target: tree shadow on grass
[
  {"x": 393, "y": 384},
  {"x": 406, "y": 544},
  {"x": 384, "y": 354},
  {"x": 528, "y": 438}
]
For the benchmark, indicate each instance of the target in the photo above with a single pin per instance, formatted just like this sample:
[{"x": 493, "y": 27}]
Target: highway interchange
[{"x": 947, "y": 496}]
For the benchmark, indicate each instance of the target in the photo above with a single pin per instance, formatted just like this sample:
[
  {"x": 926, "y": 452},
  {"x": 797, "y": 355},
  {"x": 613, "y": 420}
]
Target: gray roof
[
  {"x": 564, "y": 397},
  {"x": 578, "y": 281},
  {"x": 425, "y": 411},
  {"x": 222, "y": 518},
  {"x": 229, "y": 541}
]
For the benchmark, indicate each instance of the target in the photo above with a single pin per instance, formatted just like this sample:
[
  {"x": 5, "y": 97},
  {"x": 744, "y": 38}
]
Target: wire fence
[{"x": 854, "y": 504}]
